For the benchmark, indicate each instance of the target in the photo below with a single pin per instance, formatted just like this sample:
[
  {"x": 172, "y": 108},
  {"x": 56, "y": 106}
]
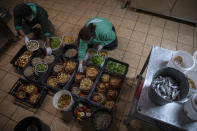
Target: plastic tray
[
  {"x": 50, "y": 73},
  {"x": 38, "y": 79},
  {"x": 77, "y": 97},
  {"x": 118, "y": 89},
  {"x": 117, "y": 61},
  {"x": 42, "y": 93},
  {"x": 20, "y": 52}
]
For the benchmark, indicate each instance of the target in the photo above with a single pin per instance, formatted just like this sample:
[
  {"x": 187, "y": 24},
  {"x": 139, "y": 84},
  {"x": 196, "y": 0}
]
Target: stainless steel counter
[{"x": 171, "y": 113}]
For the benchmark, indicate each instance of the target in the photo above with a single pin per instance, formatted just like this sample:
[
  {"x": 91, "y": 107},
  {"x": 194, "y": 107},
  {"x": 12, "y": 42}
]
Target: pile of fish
[{"x": 166, "y": 87}]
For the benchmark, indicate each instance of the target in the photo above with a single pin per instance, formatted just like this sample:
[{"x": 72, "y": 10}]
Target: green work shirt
[
  {"x": 40, "y": 16},
  {"x": 104, "y": 35}
]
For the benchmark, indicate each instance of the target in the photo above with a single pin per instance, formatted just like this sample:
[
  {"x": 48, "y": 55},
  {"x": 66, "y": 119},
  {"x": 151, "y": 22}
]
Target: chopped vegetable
[
  {"x": 55, "y": 42},
  {"x": 82, "y": 111},
  {"x": 41, "y": 67},
  {"x": 116, "y": 67},
  {"x": 98, "y": 59},
  {"x": 64, "y": 101}
]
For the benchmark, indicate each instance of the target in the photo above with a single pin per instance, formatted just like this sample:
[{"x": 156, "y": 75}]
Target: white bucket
[
  {"x": 190, "y": 107},
  {"x": 187, "y": 64},
  {"x": 192, "y": 74},
  {"x": 56, "y": 98}
]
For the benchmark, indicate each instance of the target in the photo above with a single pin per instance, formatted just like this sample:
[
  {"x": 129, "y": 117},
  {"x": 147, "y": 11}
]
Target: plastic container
[
  {"x": 40, "y": 72},
  {"x": 57, "y": 49},
  {"x": 190, "y": 107},
  {"x": 192, "y": 74},
  {"x": 68, "y": 43},
  {"x": 41, "y": 90},
  {"x": 119, "y": 88},
  {"x": 95, "y": 81},
  {"x": 58, "y": 95},
  {"x": 50, "y": 72},
  {"x": 67, "y": 47},
  {"x": 117, "y": 61},
  {"x": 31, "y": 124},
  {"x": 18, "y": 54},
  {"x": 35, "y": 48},
  {"x": 188, "y": 61}
]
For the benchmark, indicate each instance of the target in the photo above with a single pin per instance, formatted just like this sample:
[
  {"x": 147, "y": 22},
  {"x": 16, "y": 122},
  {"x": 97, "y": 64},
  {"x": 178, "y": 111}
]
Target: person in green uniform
[
  {"x": 26, "y": 16},
  {"x": 97, "y": 31}
]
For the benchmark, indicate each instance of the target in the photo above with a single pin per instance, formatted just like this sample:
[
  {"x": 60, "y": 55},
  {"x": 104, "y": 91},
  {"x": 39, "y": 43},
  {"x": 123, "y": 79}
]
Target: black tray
[
  {"x": 20, "y": 52},
  {"x": 40, "y": 53},
  {"x": 112, "y": 59},
  {"x": 41, "y": 89},
  {"x": 118, "y": 89},
  {"x": 50, "y": 73},
  {"x": 77, "y": 97}
]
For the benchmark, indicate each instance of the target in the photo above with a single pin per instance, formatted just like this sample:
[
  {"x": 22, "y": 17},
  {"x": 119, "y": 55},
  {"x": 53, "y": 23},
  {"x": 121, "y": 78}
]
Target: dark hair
[
  {"x": 25, "y": 10},
  {"x": 87, "y": 32}
]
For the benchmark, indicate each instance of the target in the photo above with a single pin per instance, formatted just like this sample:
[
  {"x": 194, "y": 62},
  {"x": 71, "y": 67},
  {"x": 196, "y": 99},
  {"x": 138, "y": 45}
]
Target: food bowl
[
  {"x": 40, "y": 68},
  {"x": 179, "y": 78},
  {"x": 181, "y": 61},
  {"x": 69, "y": 53},
  {"x": 32, "y": 45},
  {"x": 81, "y": 111},
  {"x": 98, "y": 60},
  {"x": 57, "y": 100},
  {"x": 102, "y": 119},
  {"x": 68, "y": 39},
  {"x": 190, "y": 107},
  {"x": 192, "y": 76}
]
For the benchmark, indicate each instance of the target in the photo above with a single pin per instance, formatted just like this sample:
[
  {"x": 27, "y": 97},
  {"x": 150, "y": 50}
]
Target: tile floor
[{"x": 137, "y": 33}]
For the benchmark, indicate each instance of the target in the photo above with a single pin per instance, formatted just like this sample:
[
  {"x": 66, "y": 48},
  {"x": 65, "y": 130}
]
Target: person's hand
[
  {"x": 80, "y": 68},
  {"x": 48, "y": 51},
  {"x": 100, "y": 47},
  {"x": 26, "y": 40}
]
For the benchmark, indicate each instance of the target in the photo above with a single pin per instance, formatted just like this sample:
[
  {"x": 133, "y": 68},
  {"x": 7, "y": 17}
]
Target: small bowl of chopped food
[
  {"x": 98, "y": 60},
  {"x": 55, "y": 44},
  {"x": 82, "y": 110},
  {"x": 102, "y": 119},
  {"x": 32, "y": 45},
  {"x": 182, "y": 61},
  {"x": 103, "y": 53},
  {"x": 68, "y": 39},
  {"x": 192, "y": 79},
  {"x": 40, "y": 68},
  {"x": 70, "y": 51},
  {"x": 63, "y": 100}
]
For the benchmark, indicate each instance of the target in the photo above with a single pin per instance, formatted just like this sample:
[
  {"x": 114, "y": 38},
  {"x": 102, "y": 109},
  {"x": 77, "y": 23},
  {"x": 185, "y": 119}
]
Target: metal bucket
[{"x": 177, "y": 76}]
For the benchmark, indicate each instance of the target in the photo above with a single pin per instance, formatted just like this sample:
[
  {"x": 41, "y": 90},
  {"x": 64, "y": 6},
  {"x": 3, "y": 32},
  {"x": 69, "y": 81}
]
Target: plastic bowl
[
  {"x": 56, "y": 98},
  {"x": 74, "y": 107},
  {"x": 192, "y": 74},
  {"x": 30, "y": 43},
  {"x": 39, "y": 72},
  {"x": 187, "y": 64},
  {"x": 66, "y": 43}
]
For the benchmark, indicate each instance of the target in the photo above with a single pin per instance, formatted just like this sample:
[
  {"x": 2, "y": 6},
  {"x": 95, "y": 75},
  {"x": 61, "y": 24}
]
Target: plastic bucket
[
  {"x": 31, "y": 124},
  {"x": 187, "y": 63},
  {"x": 192, "y": 74},
  {"x": 190, "y": 107},
  {"x": 56, "y": 98}
]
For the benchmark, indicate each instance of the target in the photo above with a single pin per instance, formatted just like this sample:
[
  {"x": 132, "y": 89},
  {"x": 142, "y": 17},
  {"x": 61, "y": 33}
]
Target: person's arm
[
  {"x": 47, "y": 42},
  {"x": 82, "y": 50},
  {"x": 107, "y": 38}
]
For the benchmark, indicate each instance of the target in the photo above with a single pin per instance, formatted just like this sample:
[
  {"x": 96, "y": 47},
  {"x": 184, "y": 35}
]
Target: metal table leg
[{"x": 133, "y": 107}]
